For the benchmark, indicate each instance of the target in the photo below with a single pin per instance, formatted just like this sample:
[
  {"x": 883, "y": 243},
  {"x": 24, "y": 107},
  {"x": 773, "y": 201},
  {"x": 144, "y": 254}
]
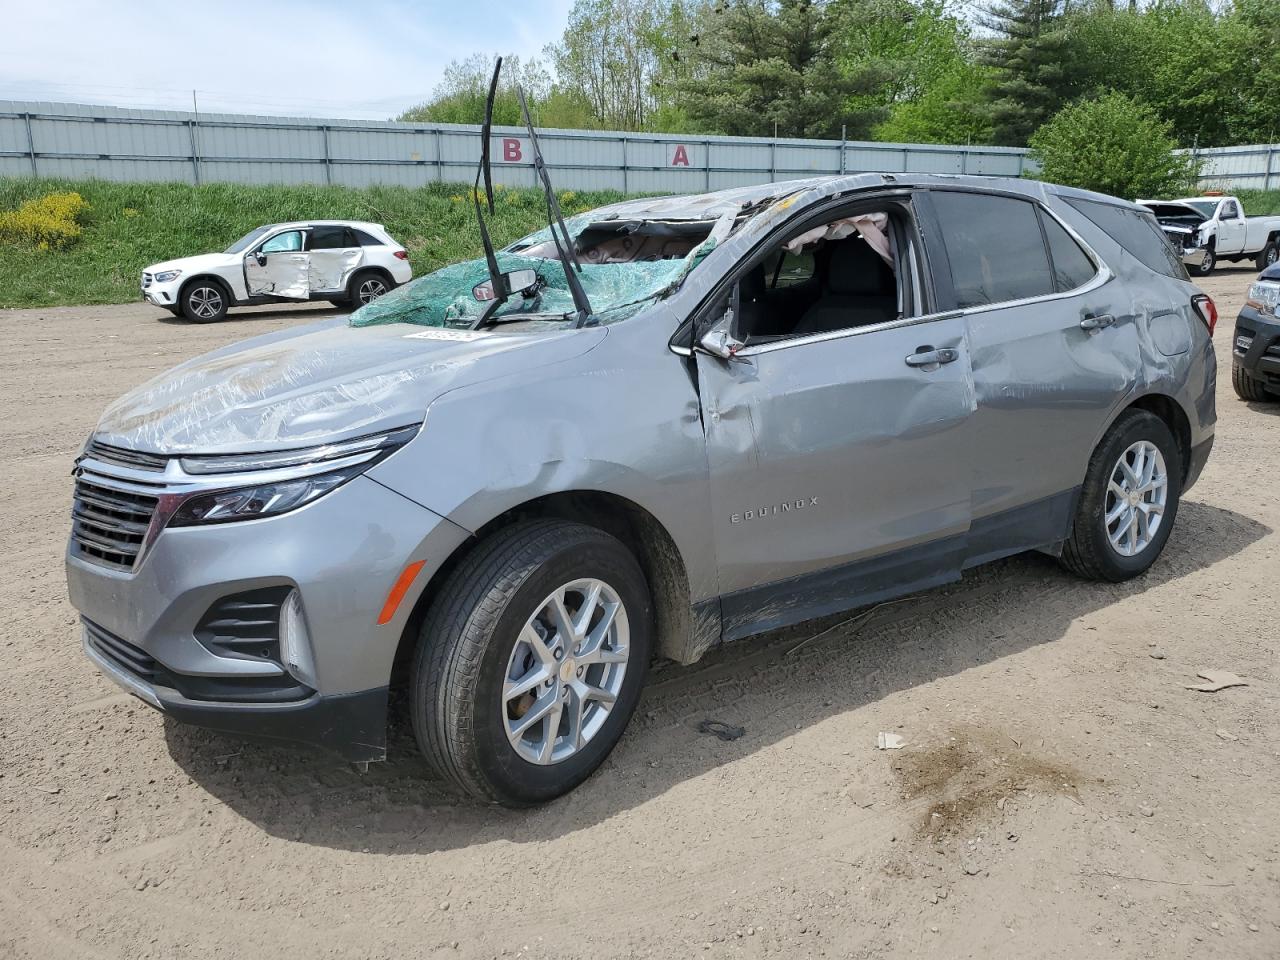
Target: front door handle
[
  {"x": 929, "y": 357},
  {"x": 1098, "y": 322}
]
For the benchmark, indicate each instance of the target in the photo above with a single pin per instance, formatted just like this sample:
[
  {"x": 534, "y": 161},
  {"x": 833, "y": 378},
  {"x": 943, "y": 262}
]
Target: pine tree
[
  {"x": 1027, "y": 54},
  {"x": 773, "y": 66}
]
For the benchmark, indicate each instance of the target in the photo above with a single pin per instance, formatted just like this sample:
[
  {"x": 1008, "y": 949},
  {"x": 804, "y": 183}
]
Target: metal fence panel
[{"x": 80, "y": 140}]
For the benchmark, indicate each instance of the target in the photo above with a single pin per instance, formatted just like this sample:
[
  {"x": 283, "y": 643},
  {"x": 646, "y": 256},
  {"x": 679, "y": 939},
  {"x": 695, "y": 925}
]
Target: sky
[{"x": 359, "y": 59}]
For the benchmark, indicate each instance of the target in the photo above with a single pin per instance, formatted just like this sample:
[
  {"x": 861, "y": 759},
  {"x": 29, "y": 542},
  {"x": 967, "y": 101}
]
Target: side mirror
[
  {"x": 260, "y": 257},
  {"x": 720, "y": 343},
  {"x": 523, "y": 282},
  {"x": 718, "y": 339}
]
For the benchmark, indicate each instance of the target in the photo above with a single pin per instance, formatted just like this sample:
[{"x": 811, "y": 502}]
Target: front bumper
[
  {"x": 160, "y": 294},
  {"x": 342, "y": 553},
  {"x": 1255, "y": 347},
  {"x": 1195, "y": 256}
]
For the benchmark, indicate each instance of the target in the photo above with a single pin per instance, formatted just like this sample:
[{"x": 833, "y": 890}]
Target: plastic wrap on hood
[{"x": 616, "y": 290}]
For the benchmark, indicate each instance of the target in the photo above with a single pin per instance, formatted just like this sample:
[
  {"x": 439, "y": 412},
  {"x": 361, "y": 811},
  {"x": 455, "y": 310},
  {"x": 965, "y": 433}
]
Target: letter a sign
[{"x": 681, "y": 158}]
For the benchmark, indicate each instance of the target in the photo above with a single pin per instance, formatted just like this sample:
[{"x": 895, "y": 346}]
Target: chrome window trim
[{"x": 1102, "y": 275}]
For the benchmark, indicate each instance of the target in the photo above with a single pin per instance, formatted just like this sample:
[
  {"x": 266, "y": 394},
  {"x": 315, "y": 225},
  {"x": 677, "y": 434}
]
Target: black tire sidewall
[
  {"x": 517, "y": 781},
  {"x": 1140, "y": 425}
]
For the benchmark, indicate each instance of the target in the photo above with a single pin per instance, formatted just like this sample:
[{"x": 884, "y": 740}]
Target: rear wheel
[
  {"x": 367, "y": 287},
  {"x": 1268, "y": 255},
  {"x": 531, "y": 660},
  {"x": 1129, "y": 500},
  {"x": 204, "y": 301},
  {"x": 1246, "y": 387}
]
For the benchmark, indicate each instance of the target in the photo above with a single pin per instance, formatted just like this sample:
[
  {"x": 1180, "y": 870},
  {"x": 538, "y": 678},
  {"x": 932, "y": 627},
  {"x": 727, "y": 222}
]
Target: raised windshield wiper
[
  {"x": 568, "y": 256},
  {"x": 498, "y": 280}
]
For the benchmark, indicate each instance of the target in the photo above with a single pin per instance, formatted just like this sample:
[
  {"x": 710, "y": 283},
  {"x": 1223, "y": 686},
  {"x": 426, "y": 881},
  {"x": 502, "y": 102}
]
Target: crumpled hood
[
  {"x": 320, "y": 383},
  {"x": 201, "y": 261}
]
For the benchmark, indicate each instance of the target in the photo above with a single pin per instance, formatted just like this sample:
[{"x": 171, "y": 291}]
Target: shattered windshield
[
  {"x": 1206, "y": 207},
  {"x": 626, "y": 264}
]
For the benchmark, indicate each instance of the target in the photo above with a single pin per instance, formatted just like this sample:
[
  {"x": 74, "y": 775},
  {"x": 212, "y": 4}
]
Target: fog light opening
[{"x": 295, "y": 641}]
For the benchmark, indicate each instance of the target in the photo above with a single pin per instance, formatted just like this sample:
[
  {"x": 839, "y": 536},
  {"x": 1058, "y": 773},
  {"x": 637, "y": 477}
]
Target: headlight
[
  {"x": 315, "y": 472},
  {"x": 1264, "y": 295},
  {"x": 166, "y": 276},
  {"x": 266, "y": 500}
]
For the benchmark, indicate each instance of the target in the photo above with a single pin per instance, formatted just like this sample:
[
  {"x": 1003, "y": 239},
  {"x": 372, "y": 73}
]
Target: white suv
[{"x": 343, "y": 261}]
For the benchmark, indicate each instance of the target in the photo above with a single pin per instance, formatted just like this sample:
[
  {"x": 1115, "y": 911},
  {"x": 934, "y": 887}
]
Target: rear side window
[
  {"x": 995, "y": 247},
  {"x": 368, "y": 239},
  {"x": 328, "y": 238},
  {"x": 1137, "y": 232},
  {"x": 1071, "y": 266}
]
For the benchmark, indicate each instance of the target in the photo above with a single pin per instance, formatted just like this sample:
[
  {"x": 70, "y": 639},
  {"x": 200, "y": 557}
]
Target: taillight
[
  {"x": 402, "y": 255},
  {"x": 1206, "y": 309}
]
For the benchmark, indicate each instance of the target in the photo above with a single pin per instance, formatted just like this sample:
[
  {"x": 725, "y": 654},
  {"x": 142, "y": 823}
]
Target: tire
[
  {"x": 204, "y": 301},
  {"x": 1268, "y": 255},
  {"x": 473, "y": 639},
  {"x": 1210, "y": 261},
  {"x": 1089, "y": 552},
  {"x": 367, "y": 286},
  {"x": 1246, "y": 387}
]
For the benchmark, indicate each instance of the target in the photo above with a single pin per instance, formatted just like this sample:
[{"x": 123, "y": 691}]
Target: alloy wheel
[
  {"x": 370, "y": 290},
  {"x": 565, "y": 671},
  {"x": 1136, "y": 496},
  {"x": 205, "y": 302}
]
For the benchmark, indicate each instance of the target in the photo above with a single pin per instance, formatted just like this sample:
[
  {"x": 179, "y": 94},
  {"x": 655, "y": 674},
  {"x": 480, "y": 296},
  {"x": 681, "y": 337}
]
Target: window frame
[
  {"x": 302, "y": 249},
  {"x": 916, "y": 277},
  {"x": 940, "y": 257},
  {"x": 347, "y": 236}
]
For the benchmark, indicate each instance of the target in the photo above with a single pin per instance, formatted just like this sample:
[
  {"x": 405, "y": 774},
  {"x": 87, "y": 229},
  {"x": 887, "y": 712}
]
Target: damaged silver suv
[{"x": 651, "y": 429}]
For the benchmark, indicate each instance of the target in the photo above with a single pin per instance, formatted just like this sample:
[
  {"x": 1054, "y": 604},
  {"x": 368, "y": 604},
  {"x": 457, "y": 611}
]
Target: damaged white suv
[{"x": 345, "y": 262}]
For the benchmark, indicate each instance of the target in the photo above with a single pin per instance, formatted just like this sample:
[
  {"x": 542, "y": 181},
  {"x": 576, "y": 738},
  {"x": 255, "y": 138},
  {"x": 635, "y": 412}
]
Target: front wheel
[
  {"x": 1246, "y": 387},
  {"x": 1128, "y": 502},
  {"x": 204, "y": 302},
  {"x": 1206, "y": 266},
  {"x": 531, "y": 660}
]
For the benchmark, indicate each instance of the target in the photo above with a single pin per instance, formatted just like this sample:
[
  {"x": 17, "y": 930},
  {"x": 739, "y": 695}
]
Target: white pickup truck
[{"x": 1218, "y": 226}]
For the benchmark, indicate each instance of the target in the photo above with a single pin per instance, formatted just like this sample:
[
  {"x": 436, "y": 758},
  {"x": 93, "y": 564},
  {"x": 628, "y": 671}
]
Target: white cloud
[{"x": 367, "y": 59}]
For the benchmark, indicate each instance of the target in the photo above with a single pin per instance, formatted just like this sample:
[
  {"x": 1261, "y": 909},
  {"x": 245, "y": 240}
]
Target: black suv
[{"x": 1255, "y": 351}]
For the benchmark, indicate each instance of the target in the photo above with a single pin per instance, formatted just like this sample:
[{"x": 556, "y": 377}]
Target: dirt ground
[{"x": 1061, "y": 793}]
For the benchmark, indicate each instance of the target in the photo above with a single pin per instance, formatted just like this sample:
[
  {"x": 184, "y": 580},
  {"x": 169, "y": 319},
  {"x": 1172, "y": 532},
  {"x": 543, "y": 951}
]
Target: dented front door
[
  {"x": 279, "y": 267},
  {"x": 839, "y": 467}
]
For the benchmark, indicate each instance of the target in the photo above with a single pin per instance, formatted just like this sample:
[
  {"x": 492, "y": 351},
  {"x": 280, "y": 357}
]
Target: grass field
[{"x": 130, "y": 225}]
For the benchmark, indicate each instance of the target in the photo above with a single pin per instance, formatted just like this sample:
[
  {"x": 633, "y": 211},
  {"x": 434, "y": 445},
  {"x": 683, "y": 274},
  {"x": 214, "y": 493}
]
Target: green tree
[
  {"x": 773, "y": 65},
  {"x": 460, "y": 95},
  {"x": 950, "y": 110},
  {"x": 1112, "y": 144},
  {"x": 1027, "y": 56}
]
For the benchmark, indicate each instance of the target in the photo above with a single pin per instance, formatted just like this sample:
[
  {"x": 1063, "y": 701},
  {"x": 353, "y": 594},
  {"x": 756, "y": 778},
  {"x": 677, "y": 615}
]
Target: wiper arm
[
  {"x": 568, "y": 256},
  {"x": 501, "y": 291}
]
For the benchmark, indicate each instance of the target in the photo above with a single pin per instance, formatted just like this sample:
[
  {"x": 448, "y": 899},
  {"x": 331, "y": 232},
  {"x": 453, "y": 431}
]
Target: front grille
[
  {"x": 139, "y": 664},
  {"x": 109, "y": 526},
  {"x": 146, "y": 280},
  {"x": 124, "y": 655},
  {"x": 245, "y": 625},
  {"x": 137, "y": 459},
  {"x": 1273, "y": 350}
]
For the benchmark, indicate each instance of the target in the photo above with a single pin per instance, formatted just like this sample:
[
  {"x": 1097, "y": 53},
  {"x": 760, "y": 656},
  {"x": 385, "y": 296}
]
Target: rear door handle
[
  {"x": 929, "y": 357},
  {"x": 1098, "y": 322}
]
